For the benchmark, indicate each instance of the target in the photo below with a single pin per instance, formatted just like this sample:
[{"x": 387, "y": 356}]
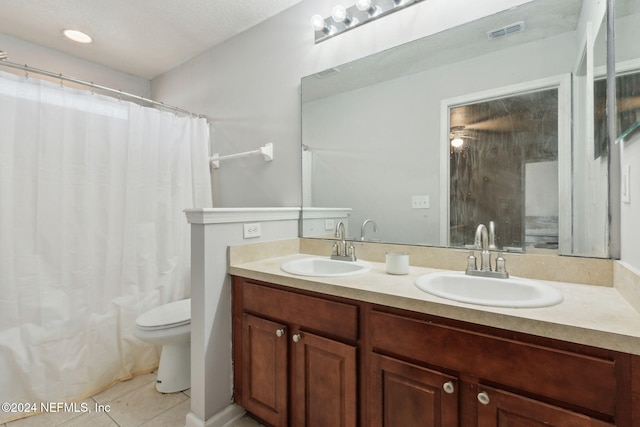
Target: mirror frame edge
[{"x": 614, "y": 157}]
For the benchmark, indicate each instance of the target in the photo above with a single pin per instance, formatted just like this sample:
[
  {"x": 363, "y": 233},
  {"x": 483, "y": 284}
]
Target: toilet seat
[{"x": 171, "y": 315}]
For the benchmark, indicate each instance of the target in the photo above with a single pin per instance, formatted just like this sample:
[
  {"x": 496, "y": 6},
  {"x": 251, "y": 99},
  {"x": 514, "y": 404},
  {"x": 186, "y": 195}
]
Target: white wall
[
  {"x": 22, "y": 52},
  {"x": 212, "y": 232},
  {"x": 250, "y": 86},
  {"x": 630, "y": 212},
  {"x": 539, "y": 178}
]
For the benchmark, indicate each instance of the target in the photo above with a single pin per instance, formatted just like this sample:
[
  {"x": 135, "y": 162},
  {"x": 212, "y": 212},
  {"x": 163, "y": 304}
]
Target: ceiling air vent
[{"x": 505, "y": 31}]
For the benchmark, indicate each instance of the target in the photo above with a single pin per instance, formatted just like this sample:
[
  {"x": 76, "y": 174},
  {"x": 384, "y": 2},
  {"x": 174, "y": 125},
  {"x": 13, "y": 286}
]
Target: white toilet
[{"x": 169, "y": 325}]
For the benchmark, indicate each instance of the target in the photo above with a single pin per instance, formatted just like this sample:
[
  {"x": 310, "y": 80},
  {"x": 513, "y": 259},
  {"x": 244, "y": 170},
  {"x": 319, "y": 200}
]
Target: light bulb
[
  {"x": 318, "y": 24},
  {"x": 457, "y": 142},
  {"x": 339, "y": 14},
  {"x": 365, "y": 6}
]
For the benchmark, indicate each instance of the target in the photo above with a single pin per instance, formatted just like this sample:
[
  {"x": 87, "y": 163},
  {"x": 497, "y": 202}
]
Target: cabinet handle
[
  {"x": 280, "y": 332},
  {"x": 448, "y": 387},
  {"x": 483, "y": 398},
  {"x": 296, "y": 337}
]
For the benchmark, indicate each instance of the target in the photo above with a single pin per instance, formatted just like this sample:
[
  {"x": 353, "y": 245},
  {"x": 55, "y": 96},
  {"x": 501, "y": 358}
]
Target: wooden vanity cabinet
[
  {"x": 265, "y": 365},
  {"x": 298, "y": 356},
  {"x": 501, "y": 378},
  {"x": 504, "y": 409},
  {"x": 305, "y": 359},
  {"x": 404, "y": 394}
]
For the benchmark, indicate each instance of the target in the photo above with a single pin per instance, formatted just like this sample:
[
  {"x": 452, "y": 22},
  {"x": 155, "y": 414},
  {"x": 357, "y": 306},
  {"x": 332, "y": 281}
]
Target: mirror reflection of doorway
[{"x": 492, "y": 144}]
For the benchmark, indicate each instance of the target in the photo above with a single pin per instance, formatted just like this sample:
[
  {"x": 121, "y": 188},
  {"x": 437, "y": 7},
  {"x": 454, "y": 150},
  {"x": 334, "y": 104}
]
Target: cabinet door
[
  {"x": 324, "y": 377},
  {"x": 265, "y": 369},
  {"x": 405, "y": 395},
  {"x": 503, "y": 409}
]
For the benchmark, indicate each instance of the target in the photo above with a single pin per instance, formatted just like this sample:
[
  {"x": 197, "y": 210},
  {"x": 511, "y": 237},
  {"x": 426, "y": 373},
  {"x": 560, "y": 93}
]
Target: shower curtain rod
[{"x": 27, "y": 69}]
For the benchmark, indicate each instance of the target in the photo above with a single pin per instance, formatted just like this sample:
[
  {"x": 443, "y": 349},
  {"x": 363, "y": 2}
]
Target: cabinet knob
[
  {"x": 280, "y": 332},
  {"x": 296, "y": 337},
  {"x": 448, "y": 387},
  {"x": 483, "y": 398}
]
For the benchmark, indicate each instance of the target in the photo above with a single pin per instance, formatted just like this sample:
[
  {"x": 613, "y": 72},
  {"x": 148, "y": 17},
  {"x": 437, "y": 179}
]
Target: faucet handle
[
  {"x": 500, "y": 263},
  {"x": 471, "y": 262},
  {"x": 334, "y": 249},
  {"x": 351, "y": 252}
]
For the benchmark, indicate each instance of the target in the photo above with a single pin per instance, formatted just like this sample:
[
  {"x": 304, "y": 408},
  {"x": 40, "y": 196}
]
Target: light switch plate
[
  {"x": 420, "y": 202},
  {"x": 626, "y": 184}
]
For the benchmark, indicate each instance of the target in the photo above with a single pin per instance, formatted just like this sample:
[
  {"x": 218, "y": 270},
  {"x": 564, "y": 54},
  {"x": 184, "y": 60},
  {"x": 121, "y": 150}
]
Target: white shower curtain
[{"x": 92, "y": 233}]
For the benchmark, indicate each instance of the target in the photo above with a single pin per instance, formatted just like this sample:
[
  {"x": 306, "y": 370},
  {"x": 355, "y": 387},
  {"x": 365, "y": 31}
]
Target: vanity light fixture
[
  {"x": 77, "y": 36},
  {"x": 319, "y": 25},
  {"x": 340, "y": 14},
  {"x": 367, "y": 6},
  {"x": 344, "y": 19}
]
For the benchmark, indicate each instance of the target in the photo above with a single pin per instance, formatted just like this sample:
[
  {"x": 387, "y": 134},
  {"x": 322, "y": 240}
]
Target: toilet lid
[{"x": 174, "y": 314}]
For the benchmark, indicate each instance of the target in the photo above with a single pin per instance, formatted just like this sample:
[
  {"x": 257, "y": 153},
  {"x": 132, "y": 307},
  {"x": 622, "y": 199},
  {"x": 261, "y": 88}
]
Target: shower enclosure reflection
[{"x": 504, "y": 168}]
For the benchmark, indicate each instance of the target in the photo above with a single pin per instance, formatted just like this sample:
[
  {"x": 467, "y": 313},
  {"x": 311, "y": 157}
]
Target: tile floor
[{"x": 131, "y": 403}]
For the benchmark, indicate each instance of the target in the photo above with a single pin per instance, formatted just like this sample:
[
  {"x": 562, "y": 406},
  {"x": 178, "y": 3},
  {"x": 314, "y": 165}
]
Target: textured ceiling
[{"x": 142, "y": 37}]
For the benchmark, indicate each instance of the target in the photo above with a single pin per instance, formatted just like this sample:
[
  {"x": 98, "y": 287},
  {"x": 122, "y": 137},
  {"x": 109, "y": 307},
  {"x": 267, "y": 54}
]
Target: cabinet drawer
[
  {"x": 318, "y": 314},
  {"x": 514, "y": 410},
  {"x": 576, "y": 379}
]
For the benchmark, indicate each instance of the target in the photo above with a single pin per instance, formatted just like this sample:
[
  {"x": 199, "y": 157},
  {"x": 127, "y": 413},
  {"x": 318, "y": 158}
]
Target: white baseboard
[{"x": 224, "y": 418}]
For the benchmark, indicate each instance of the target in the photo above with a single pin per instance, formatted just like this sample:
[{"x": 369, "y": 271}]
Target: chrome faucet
[
  {"x": 340, "y": 250},
  {"x": 364, "y": 224},
  {"x": 482, "y": 241},
  {"x": 492, "y": 236}
]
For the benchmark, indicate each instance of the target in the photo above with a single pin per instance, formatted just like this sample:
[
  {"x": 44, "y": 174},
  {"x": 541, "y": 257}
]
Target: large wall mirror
[
  {"x": 381, "y": 137},
  {"x": 627, "y": 51}
]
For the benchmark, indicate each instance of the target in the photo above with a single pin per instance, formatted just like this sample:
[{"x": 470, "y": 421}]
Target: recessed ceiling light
[{"x": 77, "y": 36}]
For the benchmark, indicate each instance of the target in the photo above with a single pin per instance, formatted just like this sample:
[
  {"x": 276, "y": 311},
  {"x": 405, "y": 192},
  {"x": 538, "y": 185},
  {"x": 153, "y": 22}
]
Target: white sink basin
[
  {"x": 512, "y": 292},
  {"x": 325, "y": 267}
]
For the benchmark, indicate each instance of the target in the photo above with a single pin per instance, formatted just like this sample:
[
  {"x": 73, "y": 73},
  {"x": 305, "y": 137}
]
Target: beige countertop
[{"x": 592, "y": 315}]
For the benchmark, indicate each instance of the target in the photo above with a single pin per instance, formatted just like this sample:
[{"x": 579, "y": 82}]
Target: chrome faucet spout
[
  {"x": 342, "y": 249},
  {"x": 492, "y": 236},
  {"x": 482, "y": 241},
  {"x": 364, "y": 225},
  {"x": 482, "y": 237}
]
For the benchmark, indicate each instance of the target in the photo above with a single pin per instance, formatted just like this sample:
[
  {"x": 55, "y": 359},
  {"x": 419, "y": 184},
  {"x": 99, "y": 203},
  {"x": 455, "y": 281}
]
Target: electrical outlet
[
  {"x": 328, "y": 224},
  {"x": 252, "y": 230},
  {"x": 420, "y": 202}
]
